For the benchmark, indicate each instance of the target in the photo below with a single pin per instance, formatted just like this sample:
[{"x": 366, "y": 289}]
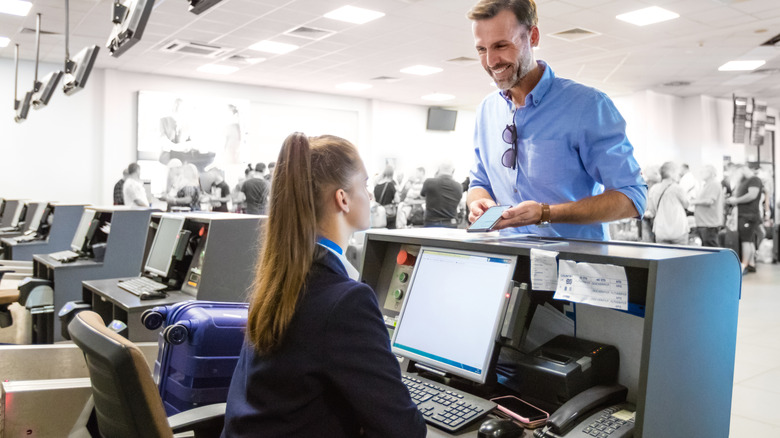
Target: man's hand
[
  {"x": 524, "y": 213},
  {"x": 478, "y": 207}
]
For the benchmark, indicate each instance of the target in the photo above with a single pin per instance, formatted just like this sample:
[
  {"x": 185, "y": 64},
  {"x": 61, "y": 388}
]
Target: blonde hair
[
  {"x": 524, "y": 10},
  {"x": 307, "y": 171}
]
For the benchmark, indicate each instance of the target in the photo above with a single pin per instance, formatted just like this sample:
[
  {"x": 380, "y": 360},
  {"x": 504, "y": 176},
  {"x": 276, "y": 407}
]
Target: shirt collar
[
  {"x": 540, "y": 90},
  {"x": 331, "y": 245}
]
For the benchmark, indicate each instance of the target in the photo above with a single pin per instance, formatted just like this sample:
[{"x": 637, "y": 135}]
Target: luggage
[{"x": 198, "y": 351}]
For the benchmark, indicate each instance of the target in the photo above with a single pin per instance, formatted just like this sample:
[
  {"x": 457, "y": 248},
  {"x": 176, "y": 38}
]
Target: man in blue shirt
[{"x": 554, "y": 149}]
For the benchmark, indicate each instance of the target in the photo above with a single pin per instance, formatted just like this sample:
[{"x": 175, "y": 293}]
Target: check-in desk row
[
  {"x": 50, "y": 228},
  {"x": 675, "y": 343}
]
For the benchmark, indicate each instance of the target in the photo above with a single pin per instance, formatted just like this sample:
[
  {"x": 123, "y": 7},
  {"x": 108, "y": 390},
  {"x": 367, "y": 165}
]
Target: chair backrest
[{"x": 127, "y": 402}]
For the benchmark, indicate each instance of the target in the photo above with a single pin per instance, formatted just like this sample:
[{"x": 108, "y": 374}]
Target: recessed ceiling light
[
  {"x": 4, "y": 41},
  {"x": 217, "y": 69},
  {"x": 643, "y": 17},
  {"x": 351, "y": 14},
  {"x": 273, "y": 47},
  {"x": 741, "y": 65},
  {"x": 422, "y": 70},
  {"x": 438, "y": 97},
  {"x": 15, "y": 7},
  {"x": 353, "y": 86}
]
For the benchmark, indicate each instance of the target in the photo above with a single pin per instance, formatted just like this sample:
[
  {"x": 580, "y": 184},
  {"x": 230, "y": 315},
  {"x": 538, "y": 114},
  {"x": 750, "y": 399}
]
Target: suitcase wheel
[
  {"x": 152, "y": 319},
  {"x": 175, "y": 334}
]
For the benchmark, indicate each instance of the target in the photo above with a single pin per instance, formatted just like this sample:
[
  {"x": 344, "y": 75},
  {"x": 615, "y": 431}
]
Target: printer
[{"x": 562, "y": 368}]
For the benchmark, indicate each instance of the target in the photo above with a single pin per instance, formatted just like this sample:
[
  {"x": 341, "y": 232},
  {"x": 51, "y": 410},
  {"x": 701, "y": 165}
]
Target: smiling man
[{"x": 554, "y": 149}]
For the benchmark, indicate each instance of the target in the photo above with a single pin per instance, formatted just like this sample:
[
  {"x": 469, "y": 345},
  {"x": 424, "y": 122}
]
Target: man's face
[{"x": 504, "y": 48}]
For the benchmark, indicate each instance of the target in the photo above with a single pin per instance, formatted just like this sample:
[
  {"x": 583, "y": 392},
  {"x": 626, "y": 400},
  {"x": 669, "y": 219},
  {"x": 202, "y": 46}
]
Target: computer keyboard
[
  {"x": 64, "y": 256},
  {"x": 445, "y": 407},
  {"x": 139, "y": 285}
]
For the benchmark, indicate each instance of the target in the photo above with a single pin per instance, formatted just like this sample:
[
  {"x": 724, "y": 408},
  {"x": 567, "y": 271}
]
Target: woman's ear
[{"x": 342, "y": 201}]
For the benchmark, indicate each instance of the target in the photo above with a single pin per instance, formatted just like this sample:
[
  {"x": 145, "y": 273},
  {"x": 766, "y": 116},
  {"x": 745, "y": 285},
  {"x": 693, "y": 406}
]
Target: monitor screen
[
  {"x": 454, "y": 306},
  {"x": 43, "y": 222},
  {"x": 43, "y": 96},
  {"x": 77, "y": 244},
  {"x": 84, "y": 61},
  {"x": 130, "y": 18},
  {"x": 440, "y": 119},
  {"x": 34, "y": 214},
  {"x": 13, "y": 209},
  {"x": 160, "y": 257}
]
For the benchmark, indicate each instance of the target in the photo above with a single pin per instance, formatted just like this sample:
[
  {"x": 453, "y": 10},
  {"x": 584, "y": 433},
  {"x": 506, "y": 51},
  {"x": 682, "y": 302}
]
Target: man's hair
[
  {"x": 133, "y": 168},
  {"x": 524, "y": 10},
  {"x": 260, "y": 167},
  {"x": 272, "y": 164},
  {"x": 668, "y": 169}
]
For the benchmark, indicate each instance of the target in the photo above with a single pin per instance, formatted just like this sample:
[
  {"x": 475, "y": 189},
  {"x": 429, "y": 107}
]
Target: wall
[{"x": 75, "y": 149}]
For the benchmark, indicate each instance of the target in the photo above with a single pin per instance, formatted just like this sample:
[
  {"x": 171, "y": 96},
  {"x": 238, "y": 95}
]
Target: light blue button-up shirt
[{"x": 572, "y": 145}]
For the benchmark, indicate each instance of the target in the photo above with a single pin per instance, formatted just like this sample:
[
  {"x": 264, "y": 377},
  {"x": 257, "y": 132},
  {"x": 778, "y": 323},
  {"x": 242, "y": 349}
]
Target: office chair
[{"x": 127, "y": 402}]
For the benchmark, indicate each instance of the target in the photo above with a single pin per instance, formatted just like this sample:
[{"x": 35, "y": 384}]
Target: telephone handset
[{"x": 615, "y": 420}]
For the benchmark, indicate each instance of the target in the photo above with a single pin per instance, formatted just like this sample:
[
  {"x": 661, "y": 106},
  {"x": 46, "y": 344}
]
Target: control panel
[{"x": 402, "y": 274}]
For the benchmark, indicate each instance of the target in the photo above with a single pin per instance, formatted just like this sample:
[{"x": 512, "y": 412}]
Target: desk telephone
[{"x": 600, "y": 412}]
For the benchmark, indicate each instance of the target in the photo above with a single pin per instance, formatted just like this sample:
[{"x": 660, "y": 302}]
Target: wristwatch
[{"x": 545, "y": 219}]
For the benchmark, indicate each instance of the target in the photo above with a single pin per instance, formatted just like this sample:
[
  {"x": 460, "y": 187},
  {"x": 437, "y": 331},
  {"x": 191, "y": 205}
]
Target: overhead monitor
[
  {"x": 453, "y": 311},
  {"x": 13, "y": 209},
  {"x": 166, "y": 239},
  {"x": 199, "y": 6},
  {"x": 79, "y": 239},
  {"x": 23, "y": 107},
  {"x": 440, "y": 119},
  {"x": 130, "y": 18},
  {"x": 43, "y": 96},
  {"x": 76, "y": 79}
]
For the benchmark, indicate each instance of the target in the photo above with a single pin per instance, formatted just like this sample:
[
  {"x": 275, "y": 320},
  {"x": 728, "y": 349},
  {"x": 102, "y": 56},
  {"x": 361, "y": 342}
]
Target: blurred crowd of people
[{"x": 735, "y": 212}]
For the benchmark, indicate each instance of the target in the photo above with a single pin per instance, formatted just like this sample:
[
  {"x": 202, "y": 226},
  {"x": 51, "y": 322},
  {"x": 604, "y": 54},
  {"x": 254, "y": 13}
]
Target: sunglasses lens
[
  {"x": 509, "y": 135},
  {"x": 508, "y": 159}
]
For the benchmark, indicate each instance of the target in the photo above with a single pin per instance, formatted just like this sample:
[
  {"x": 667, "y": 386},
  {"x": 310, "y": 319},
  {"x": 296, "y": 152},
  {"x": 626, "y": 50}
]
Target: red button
[{"x": 404, "y": 258}]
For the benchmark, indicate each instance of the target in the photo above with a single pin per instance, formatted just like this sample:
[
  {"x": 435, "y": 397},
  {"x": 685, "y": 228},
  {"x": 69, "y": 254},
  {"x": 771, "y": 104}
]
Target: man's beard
[{"x": 521, "y": 71}]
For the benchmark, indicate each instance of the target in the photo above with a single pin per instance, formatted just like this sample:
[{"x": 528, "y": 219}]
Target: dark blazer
[{"x": 334, "y": 374}]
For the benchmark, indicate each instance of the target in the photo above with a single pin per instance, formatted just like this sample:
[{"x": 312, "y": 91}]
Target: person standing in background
[
  {"x": 442, "y": 195},
  {"x": 385, "y": 195},
  {"x": 256, "y": 191},
  {"x": 746, "y": 198},
  {"x": 219, "y": 191},
  {"x": 133, "y": 189},
  {"x": 708, "y": 208},
  {"x": 666, "y": 204},
  {"x": 119, "y": 198}
]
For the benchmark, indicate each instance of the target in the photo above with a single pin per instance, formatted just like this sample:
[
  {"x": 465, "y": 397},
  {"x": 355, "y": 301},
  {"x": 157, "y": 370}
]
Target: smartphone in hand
[{"x": 488, "y": 220}]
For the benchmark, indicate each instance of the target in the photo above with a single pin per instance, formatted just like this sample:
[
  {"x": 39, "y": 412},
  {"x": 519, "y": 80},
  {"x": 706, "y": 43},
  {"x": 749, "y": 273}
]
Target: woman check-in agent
[{"x": 317, "y": 358}]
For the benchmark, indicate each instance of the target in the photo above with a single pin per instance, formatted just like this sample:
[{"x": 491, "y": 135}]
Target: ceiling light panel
[
  {"x": 421, "y": 70},
  {"x": 15, "y": 7},
  {"x": 352, "y": 14},
  {"x": 651, "y": 15},
  {"x": 4, "y": 41},
  {"x": 273, "y": 47},
  {"x": 741, "y": 65}
]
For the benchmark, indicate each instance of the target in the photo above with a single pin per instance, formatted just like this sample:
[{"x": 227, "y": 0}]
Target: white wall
[{"x": 75, "y": 149}]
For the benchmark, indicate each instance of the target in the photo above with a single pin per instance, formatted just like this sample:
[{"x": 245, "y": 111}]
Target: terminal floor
[{"x": 754, "y": 411}]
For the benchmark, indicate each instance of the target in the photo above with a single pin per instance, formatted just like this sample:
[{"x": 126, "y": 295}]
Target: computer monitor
[
  {"x": 83, "y": 63},
  {"x": 79, "y": 239},
  {"x": 130, "y": 18},
  {"x": 166, "y": 239},
  {"x": 43, "y": 96},
  {"x": 43, "y": 222},
  {"x": 454, "y": 307},
  {"x": 33, "y": 218},
  {"x": 13, "y": 208}
]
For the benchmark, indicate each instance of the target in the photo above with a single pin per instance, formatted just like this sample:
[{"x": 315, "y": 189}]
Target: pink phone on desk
[{"x": 522, "y": 411}]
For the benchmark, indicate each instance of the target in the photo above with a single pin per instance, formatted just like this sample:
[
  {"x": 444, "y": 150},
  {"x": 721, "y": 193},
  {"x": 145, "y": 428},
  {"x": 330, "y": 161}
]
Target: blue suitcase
[{"x": 198, "y": 351}]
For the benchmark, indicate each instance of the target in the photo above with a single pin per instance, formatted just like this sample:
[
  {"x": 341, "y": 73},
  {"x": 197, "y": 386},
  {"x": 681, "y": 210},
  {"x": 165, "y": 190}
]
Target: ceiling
[{"x": 679, "y": 57}]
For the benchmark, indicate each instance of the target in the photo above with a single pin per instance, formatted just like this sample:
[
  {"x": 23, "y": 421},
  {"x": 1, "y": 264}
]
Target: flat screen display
[
  {"x": 81, "y": 231},
  {"x": 160, "y": 257},
  {"x": 454, "y": 306},
  {"x": 441, "y": 119}
]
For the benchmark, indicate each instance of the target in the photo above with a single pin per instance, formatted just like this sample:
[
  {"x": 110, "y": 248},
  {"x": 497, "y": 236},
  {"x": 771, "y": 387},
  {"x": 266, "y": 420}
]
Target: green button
[
  {"x": 398, "y": 294},
  {"x": 403, "y": 277}
]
